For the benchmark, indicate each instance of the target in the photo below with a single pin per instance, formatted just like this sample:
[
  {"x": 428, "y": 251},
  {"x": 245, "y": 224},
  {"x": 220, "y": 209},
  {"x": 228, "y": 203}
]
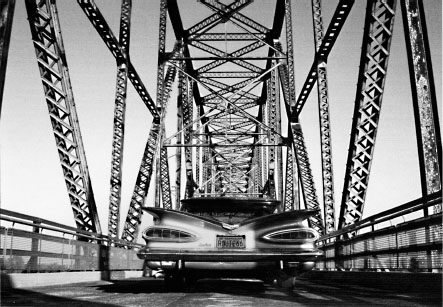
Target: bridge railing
[
  {"x": 25, "y": 248},
  {"x": 405, "y": 238}
]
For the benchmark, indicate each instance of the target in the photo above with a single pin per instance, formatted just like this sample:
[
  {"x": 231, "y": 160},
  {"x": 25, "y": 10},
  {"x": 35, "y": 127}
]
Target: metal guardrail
[
  {"x": 388, "y": 241},
  {"x": 376, "y": 243},
  {"x": 66, "y": 249}
]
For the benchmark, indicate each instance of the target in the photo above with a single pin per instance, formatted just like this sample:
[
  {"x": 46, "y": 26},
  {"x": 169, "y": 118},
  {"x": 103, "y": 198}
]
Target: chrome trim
[{"x": 152, "y": 254}]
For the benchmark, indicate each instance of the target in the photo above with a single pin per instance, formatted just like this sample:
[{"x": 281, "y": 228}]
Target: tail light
[
  {"x": 167, "y": 234},
  {"x": 292, "y": 236}
]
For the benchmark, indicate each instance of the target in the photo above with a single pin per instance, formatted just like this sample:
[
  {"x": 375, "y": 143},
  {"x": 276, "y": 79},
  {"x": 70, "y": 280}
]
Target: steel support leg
[
  {"x": 51, "y": 59},
  {"x": 423, "y": 97},
  {"x": 133, "y": 218},
  {"x": 379, "y": 23}
]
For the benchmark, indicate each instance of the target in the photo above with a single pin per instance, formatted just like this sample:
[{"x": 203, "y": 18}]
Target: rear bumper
[{"x": 229, "y": 256}]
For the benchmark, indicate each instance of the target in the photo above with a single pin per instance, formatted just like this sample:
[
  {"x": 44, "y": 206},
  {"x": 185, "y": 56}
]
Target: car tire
[
  {"x": 174, "y": 280},
  {"x": 191, "y": 280}
]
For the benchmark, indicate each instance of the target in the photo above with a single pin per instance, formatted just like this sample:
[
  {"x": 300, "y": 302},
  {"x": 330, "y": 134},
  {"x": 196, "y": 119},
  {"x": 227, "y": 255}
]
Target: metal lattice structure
[{"x": 238, "y": 116}]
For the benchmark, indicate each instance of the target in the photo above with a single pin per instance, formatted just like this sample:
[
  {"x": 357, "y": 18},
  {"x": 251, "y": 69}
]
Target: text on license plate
[{"x": 230, "y": 242}]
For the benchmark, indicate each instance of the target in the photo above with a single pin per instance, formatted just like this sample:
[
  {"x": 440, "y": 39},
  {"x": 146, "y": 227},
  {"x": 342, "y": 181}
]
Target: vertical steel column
[
  {"x": 157, "y": 182},
  {"x": 7, "y": 14},
  {"x": 325, "y": 130},
  {"x": 51, "y": 58},
  {"x": 164, "y": 175},
  {"x": 160, "y": 85},
  {"x": 119, "y": 122},
  {"x": 207, "y": 167},
  {"x": 291, "y": 199},
  {"x": 187, "y": 120},
  {"x": 164, "y": 165},
  {"x": 178, "y": 171},
  {"x": 264, "y": 149},
  {"x": 273, "y": 120},
  {"x": 198, "y": 151},
  {"x": 379, "y": 22},
  {"x": 258, "y": 171},
  {"x": 279, "y": 154},
  {"x": 288, "y": 204},
  {"x": 423, "y": 97}
]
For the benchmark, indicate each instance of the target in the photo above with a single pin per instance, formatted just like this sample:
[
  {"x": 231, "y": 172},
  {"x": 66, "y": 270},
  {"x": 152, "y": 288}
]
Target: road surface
[{"x": 151, "y": 292}]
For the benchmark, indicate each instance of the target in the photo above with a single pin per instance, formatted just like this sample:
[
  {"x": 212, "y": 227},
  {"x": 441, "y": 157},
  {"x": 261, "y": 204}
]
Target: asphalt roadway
[{"x": 223, "y": 292}]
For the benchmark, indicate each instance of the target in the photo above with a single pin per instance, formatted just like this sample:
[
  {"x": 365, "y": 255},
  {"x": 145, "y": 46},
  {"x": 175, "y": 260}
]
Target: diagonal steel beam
[
  {"x": 98, "y": 21},
  {"x": 338, "y": 20},
  {"x": 133, "y": 218},
  {"x": 7, "y": 14}
]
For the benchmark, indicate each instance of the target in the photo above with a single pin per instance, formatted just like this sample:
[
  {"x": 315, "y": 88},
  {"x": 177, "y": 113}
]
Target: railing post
[
  {"x": 4, "y": 246},
  {"x": 32, "y": 265}
]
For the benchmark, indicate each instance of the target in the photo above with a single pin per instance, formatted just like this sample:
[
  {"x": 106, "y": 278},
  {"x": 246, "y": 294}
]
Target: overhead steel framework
[{"x": 238, "y": 130}]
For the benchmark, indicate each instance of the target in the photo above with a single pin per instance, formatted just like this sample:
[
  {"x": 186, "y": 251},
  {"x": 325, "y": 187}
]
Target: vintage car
[{"x": 228, "y": 237}]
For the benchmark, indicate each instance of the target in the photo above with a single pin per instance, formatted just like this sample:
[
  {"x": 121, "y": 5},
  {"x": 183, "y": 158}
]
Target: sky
[{"x": 31, "y": 180}]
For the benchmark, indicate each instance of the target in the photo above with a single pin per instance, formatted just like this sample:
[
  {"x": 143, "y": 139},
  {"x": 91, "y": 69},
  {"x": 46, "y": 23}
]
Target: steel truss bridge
[{"x": 236, "y": 114}]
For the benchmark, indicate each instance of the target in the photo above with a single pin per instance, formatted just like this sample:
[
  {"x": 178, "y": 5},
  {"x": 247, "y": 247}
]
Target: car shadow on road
[
  {"x": 303, "y": 292},
  {"x": 235, "y": 287},
  {"x": 22, "y": 297}
]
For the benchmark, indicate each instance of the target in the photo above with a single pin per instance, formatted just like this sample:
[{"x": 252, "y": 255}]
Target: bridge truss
[{"x": 237, "y": 128}]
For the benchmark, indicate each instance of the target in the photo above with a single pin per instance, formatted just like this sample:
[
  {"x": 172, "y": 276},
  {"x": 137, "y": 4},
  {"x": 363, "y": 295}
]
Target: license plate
[{"x": 231, "y": 242}]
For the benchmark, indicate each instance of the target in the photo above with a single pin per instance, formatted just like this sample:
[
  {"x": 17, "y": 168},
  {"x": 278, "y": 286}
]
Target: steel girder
[
  {"x": 377, "y": 36},
  {"x": 325, "y": 127},
  {"x": 119, "y": 122},
  {"x": 7, "y": 14},
  {"x": 423, "y": 97},
  {"x": 49, "y": 49}
]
